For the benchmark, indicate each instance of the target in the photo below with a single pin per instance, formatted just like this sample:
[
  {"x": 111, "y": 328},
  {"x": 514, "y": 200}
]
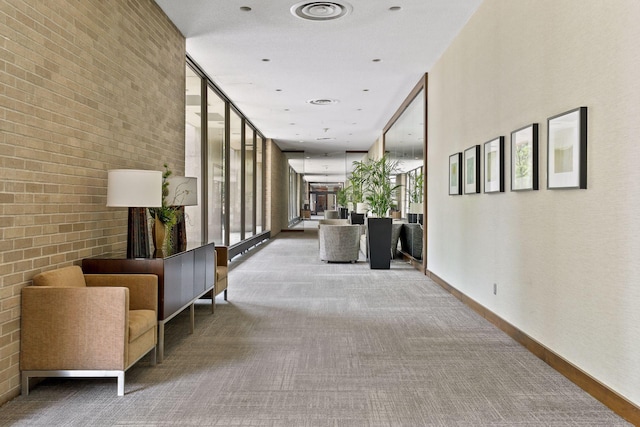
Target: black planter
[
  {"x": 413, "y": 218},
  {"x": 357, "y": 218},
  {"x": 379, "y": 240},
  {"x": 344, "y": 213}
]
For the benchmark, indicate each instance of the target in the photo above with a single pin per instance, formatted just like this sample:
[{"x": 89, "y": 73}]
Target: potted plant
[
  {"x": 164, "y": 218},
  {"x": 355, "y": 196},
  {"x": 341, "y": 197},
  {"x": 378, "y": 192},
  {"x": 415, "y": 198}
]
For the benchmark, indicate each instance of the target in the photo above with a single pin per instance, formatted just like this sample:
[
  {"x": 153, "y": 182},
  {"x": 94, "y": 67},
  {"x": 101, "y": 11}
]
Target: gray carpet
[{"x": 304, "y": 343}]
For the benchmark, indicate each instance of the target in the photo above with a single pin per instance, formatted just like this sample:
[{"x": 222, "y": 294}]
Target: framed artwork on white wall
[
  {"x": 472, "y": 170},
  {"x": 524, "y": 158},
  {"x": 455, "y": 174},
  {"x": 567, "y": 149},
  {"x": 494, "y": 165}
]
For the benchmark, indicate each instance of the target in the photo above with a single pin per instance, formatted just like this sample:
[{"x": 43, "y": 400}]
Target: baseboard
[{"x": 617, "y": 403}]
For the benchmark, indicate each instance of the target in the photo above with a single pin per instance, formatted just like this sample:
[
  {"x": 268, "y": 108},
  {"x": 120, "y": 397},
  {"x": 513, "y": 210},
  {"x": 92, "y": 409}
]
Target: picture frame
[
  {"x": 567, "y": 149},
  {"x": 524, "y": 158},
  {"x": 472, "y": 170},
  {"x": 494, "y": 165},
  {"x": 455, "y": 174}
]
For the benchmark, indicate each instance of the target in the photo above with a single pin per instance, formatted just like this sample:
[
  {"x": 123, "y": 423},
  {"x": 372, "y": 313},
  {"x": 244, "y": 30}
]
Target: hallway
[{"x": 305, "y": 343}]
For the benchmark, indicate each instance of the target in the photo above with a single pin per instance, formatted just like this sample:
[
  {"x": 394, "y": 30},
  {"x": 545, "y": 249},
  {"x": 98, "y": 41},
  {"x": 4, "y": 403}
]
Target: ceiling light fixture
[
  {"x": 322, "y": 101},
  {"x": 245, "y": 8},
  {"x": 395, "y": 8},
  {"x": 320, "y": 10}
]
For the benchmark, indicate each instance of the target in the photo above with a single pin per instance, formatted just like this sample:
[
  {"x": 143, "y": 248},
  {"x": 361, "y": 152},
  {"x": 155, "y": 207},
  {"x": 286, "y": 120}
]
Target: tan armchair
[
  {"x": 222, "y": 270},
  {"x": 94, "y": 325}
]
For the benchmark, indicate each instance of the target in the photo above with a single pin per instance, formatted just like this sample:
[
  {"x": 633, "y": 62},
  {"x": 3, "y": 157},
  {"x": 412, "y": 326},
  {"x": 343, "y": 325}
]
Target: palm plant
[{"x": 376, "y": 183}]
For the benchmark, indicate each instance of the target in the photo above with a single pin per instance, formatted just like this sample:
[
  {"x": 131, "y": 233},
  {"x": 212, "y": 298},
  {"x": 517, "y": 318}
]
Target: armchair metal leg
[
  {"x": 73, "y": 374},
  {"x": 25, "y": 383}
]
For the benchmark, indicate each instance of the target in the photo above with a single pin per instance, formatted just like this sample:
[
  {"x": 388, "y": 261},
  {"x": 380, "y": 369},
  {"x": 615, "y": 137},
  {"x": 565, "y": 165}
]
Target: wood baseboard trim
[{"x": 617, "y": 403}]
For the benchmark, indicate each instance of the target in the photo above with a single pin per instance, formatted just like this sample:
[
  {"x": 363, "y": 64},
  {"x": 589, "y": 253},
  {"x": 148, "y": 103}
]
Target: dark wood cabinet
[{"x": 182, "y": 278}]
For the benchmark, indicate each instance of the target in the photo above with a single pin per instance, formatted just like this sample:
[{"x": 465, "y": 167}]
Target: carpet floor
[{"x": 304, "y": 343}]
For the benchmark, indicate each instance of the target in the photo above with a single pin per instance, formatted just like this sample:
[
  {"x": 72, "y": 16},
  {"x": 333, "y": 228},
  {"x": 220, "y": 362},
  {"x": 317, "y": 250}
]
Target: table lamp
[{"x": 137, "y": 190}]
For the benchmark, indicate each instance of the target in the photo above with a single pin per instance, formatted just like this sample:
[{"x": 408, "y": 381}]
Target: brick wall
[
  {"x": 277, "y": 185},
  {"x": 85, "y": 86}
]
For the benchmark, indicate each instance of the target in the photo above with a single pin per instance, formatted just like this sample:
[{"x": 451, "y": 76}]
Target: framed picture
[
  {"x": 494, "y": 165},
  {"x": 472, "y": 170},
  {"x": 567, "y": 149},
  {"x": 524, "y": 158},
  {"x": 455, "y": 174}
]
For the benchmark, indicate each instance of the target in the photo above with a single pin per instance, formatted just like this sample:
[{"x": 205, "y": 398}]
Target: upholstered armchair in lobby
[
  {"x": 94, "y": 325},
  {"x": 339, "y": 243}
]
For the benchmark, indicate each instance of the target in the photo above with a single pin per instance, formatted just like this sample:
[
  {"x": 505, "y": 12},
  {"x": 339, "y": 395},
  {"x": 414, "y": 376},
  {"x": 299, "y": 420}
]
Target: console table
[{"x": 182, "y": 279}]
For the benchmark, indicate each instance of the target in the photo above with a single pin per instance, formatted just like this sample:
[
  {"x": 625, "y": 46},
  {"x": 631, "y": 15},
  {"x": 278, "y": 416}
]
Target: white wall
[{"x": 566, "y": 262}]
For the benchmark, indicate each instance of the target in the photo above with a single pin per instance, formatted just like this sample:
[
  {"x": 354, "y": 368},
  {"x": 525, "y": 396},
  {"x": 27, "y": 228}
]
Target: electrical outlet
[{"x": 495, "y": 289}]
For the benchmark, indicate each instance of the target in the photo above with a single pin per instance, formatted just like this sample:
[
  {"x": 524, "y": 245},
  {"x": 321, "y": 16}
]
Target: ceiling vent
[
  {"x": 320, "y": 10},
  {"x": 322, "y": 101}
]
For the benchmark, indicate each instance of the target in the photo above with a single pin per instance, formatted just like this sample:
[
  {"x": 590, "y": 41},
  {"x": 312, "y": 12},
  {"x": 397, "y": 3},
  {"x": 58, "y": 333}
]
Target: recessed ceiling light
[
  {"x": 278, "y": 90},
  {"x": 265, "y": 60},
  {"x": 376, "y": 60},
  {"x": 324, "y": 138},
  {"x": 322, "y": 101},
  {"x": 320, "y": 10},
  {"x": 395, "y": 8},
  {"x": 245, "y": 8},
  {"x": 365, "y": 90}
]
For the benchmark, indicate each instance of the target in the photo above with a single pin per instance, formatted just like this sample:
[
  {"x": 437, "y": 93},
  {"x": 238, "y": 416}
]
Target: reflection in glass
[
  {"x": 215, "y": 132},
  {"x": 193, "y": 149},
  {"x": 404, "y": 143},
  {"x": 259, "y": 184},
  {"x": 249, "y": 138},
  {"x": 235, "y": 178}
]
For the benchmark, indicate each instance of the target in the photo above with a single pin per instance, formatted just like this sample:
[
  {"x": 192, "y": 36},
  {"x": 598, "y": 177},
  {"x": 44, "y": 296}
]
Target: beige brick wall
[
  {"x": 85, "y": 86},
  {"x": 276, "y": 198}
]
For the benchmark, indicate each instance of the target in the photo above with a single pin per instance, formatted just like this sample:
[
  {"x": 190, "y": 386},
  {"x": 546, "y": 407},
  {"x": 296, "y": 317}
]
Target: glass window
[
  {"x": 193, "y": 150},
  {"x": 249, "y": 158},
  {"x": 216, "y": 144},
  {"x": 235, "y": 178},
  {"x": 259, "y": 184}
]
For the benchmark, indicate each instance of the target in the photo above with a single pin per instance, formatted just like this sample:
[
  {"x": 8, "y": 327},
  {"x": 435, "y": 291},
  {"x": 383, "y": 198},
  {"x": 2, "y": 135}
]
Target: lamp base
[{"x": 137, "y": 234}]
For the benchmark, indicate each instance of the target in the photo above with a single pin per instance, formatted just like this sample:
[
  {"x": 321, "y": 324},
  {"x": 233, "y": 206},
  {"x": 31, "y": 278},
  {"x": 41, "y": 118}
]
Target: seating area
[{"x": 94, "y": 325}]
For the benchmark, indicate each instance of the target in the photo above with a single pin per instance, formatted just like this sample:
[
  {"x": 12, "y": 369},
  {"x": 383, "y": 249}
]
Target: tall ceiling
[{"x": 359, "y": 67}]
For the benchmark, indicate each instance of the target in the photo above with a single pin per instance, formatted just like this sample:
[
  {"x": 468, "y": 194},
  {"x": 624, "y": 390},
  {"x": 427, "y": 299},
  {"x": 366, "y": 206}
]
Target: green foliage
[
  {"x": 342, "y": 197},
  {"x": 375, "y": 178},
  {"x": 416, "y": 191},
  {"x": 168, "y": 215}
]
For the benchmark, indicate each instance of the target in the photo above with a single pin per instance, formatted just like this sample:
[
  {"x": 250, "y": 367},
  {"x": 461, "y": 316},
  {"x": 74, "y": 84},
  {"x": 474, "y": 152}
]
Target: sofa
[
  {"x": 339, "y": 243},
  {"x": 93, "y": 325}
]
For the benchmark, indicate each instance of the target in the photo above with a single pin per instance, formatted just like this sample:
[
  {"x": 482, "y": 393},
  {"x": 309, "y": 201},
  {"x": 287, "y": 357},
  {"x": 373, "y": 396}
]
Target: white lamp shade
[
  {"x": 134, "y": 188},
  {"x": 183, "y": 191},
  {"x": 416, "y": 208}
]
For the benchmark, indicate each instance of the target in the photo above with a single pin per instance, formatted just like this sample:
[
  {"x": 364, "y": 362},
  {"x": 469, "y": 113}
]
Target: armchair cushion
[
  {"x": 68, "y": 277},
  {"x": 140, "y": 321}
]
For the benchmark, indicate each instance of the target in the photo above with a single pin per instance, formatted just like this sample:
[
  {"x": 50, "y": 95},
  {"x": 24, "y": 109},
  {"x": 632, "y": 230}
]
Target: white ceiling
[{"x": 318, "y": 60}]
